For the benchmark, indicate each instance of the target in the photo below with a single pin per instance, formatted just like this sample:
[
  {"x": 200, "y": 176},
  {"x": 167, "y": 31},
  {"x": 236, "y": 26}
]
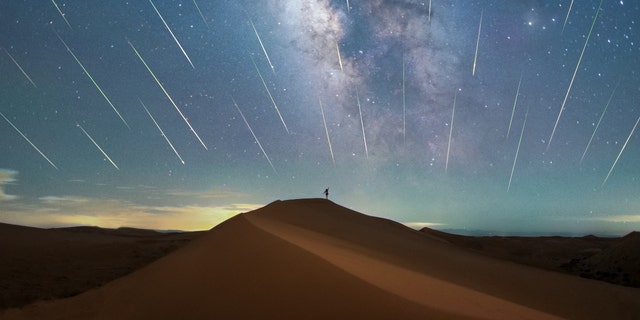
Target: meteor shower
[{"x": 498, "y": 116}]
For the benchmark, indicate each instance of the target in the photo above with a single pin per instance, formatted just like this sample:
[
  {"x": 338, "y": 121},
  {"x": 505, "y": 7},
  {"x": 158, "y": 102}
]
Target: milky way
[{"x": 386, "y": 72}]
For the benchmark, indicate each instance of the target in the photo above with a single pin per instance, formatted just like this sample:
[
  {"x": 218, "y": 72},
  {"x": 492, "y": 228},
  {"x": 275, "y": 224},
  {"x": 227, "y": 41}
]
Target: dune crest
[{"x": 313, "y": 259}]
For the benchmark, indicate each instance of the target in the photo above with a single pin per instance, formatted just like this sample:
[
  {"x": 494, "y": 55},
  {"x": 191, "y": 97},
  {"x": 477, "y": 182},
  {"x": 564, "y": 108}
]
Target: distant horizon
[{"x": 413, "y": 225}]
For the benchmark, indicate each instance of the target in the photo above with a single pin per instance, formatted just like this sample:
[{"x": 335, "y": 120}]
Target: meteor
[
  {"x": 167, "y": 94},
  {"x": 269, "y": 93},
  {"x": 364, "y": 136},
  {"x": 254, "y": 135},
  {"x": 515, "y": 159},
  {"x": 93, "y": 81},
  {"x": 404, "y": 105},
  {"x": 96, "y": 144},
  {"x": 162, "y": 132},
  {"x": 621, "y": 151},
  {"x": 61, "y": 14},
  {"x": 262, "y": 45},
  {"x": 348, "y": 7},
  {"x": 172, "y": 35},
  {"x": 567, "y": 17},
  {"x": 31, "y": 143},
  {"x": 446, "y": 164},
  {"x": 200, "y": 12},
  {"x": 574, "y": 75},
  {"x": 326, "y": 130},
  {"x": 429, "y": 10},
  {"x": 475, "y": 57},
  {"x": 515, "y": 102},
  {"x": 598, "y": 124},
  {"x": 339, "y": 57},
  {"x": 19, "y": 67}
]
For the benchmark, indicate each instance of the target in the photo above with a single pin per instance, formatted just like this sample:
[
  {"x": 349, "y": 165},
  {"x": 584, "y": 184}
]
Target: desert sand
[
  {"x": 44, "y": 264},
  {"x": 313, "y": 259}
]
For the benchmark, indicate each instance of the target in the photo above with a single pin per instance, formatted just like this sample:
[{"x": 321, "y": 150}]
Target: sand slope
[
  {"x": 312, "y": 259},
  {"x": 41, "y": 264}
]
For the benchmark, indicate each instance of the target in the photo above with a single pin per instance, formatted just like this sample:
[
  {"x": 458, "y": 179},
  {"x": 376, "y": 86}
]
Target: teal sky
[{"x": 424, "y": 104}]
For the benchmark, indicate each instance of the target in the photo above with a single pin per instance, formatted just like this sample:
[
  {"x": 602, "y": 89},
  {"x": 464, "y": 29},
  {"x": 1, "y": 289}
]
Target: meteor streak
[
  {"x": 19, "y": 67},
  {"x": 475, "y": 57},
  {"x": 446, "y": 164},
  {"x": 404, "y": 105},
  {"x": 172, "y": 35},
  {"x": 574, "y": 76},
  {"x": 200, "y": 12},
  {"x": 598, "y": 124},
  {"x": 514, "y": 105},
  {"x": 262, "y": 45},
  {"x": 61, "y": 14},
  {"x": 254, "y": 135},
  {"x": 364, "y": 136},
  {"x": 269, "y": 93},
  {"x": 162, "y": 132},
  {"x": 167, "y": 94},
  {"x": 429, "y": 10},
  {"x": 326, "y": 130},
  {"x": 567, "y": 17},
  {"x": 31, "y": 143},
  {"x": 515, "y": 159},
  {"x": 96, "y": 144},
  {"x": 93, "y": 81},
  {"x": 348, "y": 7},
  {"x": 339, "y": 56},
  {"x": 621, "y": 151}
]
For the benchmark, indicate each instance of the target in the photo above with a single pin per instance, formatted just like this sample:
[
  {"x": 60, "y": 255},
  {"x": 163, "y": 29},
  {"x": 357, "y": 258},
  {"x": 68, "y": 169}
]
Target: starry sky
[{"x": 505, "y": 116}]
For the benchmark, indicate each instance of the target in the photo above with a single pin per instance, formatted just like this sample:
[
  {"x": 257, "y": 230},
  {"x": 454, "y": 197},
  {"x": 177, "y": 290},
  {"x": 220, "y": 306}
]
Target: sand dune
[
  {"x": 614, "y": 260},
  {"x": 312, "y": 259},
  {"x": 42, "y": 264}
]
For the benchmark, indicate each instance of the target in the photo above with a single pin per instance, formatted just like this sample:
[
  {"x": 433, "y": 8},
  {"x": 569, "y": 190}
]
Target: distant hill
[
  {"x": 614, "y": 260},
  {"x": 619, "y": 262},
  {"x": 123, "y": 231}
]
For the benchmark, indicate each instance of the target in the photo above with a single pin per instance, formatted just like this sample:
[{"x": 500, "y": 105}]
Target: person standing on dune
[{"x": 326, "y": 193}]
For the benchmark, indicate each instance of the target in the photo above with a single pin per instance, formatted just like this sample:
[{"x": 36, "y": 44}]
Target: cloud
[
  {"x": 602, "y": 224},
  {"x": 420, "y": 225},
  {"x": 7, "y": 177},
  {"x": 211, "y": 194},
  {"x": 623, "y": 218},
  {"x": 60, "y": 200},
  {"x": 60, "y": 211}
]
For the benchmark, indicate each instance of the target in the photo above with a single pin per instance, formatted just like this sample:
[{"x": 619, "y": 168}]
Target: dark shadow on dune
[{"x": 46, "y": 264}]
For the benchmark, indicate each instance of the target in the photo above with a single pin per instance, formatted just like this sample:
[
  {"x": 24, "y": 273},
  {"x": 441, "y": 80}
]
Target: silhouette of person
[{"x": 326, "y": 193}]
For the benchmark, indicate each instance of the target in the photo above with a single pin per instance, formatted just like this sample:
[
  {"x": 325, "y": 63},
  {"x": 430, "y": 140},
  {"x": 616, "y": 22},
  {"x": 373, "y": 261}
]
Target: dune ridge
[{"x": 313, "y": 259}]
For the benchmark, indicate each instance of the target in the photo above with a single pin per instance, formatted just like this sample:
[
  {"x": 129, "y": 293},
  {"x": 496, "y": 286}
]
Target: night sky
[{"x": 417, "y": 97}]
